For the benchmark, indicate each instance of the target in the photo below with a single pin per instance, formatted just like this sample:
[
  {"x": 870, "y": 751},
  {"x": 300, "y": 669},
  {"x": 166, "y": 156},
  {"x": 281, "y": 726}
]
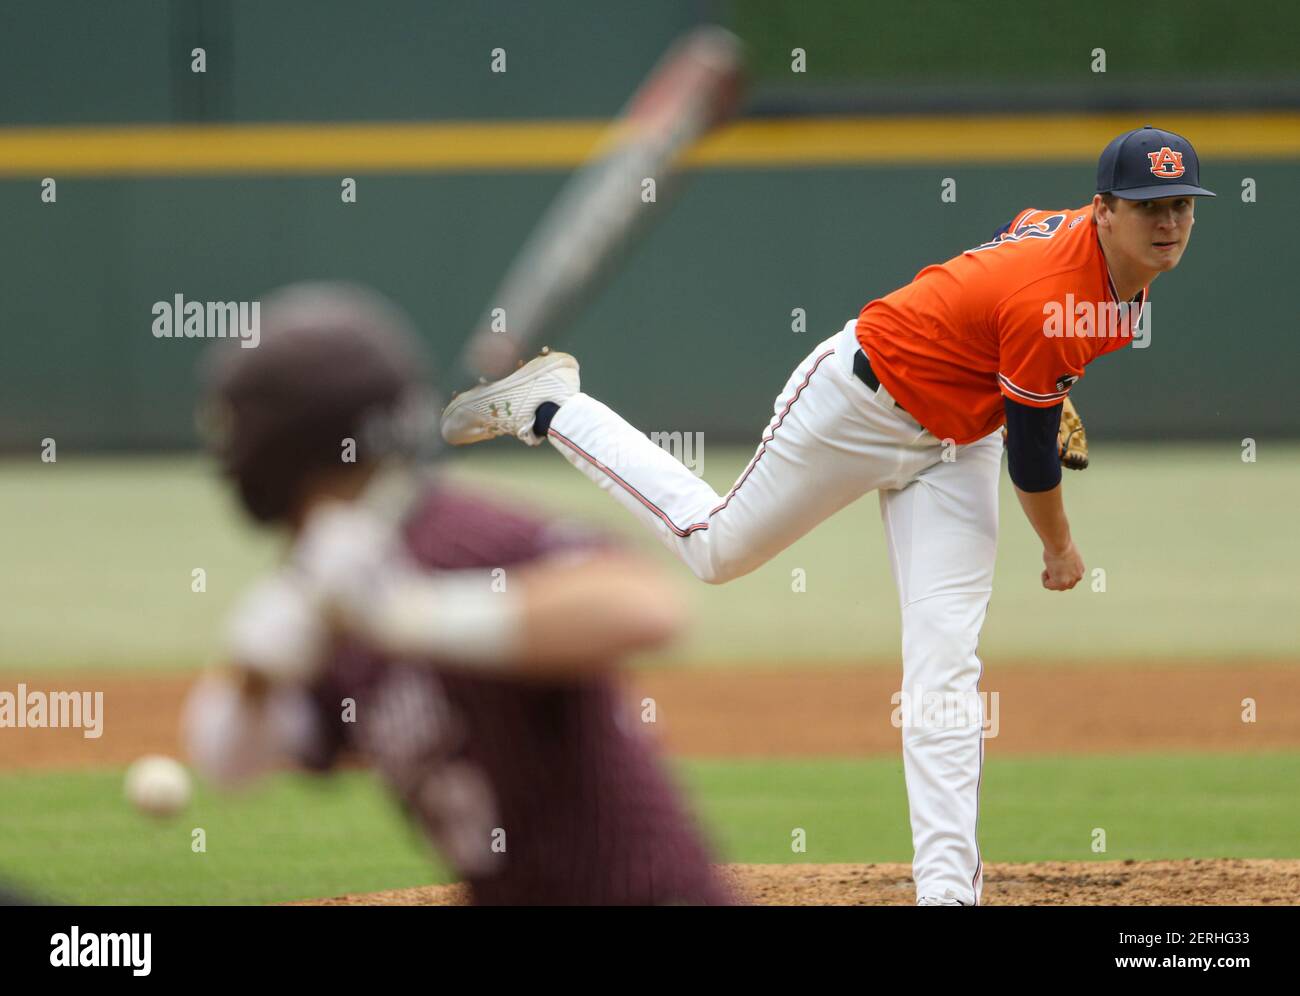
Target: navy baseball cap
[{"x": 1147, "y": 163}]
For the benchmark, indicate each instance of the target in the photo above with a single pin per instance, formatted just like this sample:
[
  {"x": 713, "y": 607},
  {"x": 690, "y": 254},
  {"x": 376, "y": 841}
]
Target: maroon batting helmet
[{"x": 337, "y": 377}]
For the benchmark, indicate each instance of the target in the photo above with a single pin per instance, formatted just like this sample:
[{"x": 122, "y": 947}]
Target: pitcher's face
[{"x": 1153, "y": 234}]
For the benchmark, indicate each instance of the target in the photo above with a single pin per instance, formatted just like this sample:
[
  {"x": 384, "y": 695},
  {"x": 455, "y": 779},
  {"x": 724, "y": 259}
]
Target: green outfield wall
[{"x": 695, "y": 333}]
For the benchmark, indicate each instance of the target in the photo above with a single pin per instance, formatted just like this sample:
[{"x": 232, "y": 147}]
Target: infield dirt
[{"x": 814, "y": 711}]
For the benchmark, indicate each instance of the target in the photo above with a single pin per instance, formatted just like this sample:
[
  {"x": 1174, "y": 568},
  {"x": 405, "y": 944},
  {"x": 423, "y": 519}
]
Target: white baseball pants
[{"x": 830, "y": 441}]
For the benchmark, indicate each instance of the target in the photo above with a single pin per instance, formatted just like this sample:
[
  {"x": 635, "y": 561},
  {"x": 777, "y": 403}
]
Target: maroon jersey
[{"x": 533, "y": 792}]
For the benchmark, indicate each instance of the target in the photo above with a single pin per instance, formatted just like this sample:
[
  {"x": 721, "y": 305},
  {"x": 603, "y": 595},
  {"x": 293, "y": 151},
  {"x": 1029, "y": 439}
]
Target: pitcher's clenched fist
[{"x": 1063, "y": 570}]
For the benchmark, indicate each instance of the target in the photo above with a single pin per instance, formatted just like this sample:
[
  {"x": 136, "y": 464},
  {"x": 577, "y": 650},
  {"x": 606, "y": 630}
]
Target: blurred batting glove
[
  {"x": 277, "y": 631},
  {"x": 348, "y": 557}
]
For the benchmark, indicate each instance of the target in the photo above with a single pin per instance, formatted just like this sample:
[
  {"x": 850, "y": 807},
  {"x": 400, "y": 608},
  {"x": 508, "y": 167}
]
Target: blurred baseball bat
[{"x": 695, "y": 86}]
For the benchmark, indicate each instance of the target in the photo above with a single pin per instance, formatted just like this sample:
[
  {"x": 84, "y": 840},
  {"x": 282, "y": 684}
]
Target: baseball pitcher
[{"x": 909, "y": 400}]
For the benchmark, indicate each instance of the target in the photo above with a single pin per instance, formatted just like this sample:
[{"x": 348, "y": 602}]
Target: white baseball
[{"x": 158, "y": 785}]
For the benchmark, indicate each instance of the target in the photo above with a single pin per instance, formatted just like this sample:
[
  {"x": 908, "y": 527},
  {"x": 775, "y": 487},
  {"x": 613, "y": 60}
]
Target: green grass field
[
  {"x": 1198, "y": 560},
  {"x": 1197, "y": 570},
  {"x": 69, "y": 836}
]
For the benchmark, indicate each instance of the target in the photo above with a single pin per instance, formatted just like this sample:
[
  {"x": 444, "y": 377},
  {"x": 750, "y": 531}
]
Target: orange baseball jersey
[{"x": 1021, "y": 316}]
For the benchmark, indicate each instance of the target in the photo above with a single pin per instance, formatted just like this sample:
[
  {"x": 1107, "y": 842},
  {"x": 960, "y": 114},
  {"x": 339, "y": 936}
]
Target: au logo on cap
[{"x": 1166, "y": 164}]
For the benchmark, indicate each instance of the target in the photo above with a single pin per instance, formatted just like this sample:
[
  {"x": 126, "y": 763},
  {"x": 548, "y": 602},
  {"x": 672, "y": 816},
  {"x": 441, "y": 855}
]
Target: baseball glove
[{"x": 1072, "y": 441}]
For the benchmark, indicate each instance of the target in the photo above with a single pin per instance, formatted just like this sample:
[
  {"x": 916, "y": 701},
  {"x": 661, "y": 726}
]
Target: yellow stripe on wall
[
  {"x": 183, "y": 150},
  {"x": 294, "y": 148},
  {"x": 987, "y": 138}
]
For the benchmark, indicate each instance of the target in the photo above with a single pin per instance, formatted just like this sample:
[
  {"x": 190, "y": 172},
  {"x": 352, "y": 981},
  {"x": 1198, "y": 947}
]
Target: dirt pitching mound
[{"x": 1219, "y": 882}]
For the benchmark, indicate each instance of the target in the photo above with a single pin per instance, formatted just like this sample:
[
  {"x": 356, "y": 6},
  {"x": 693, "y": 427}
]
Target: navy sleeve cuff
[{"x": 1033, "y": 456}]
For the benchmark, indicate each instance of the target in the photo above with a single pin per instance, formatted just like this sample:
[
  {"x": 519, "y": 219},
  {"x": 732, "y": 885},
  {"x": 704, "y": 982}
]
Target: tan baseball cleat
[{"x": 507, "y": 407}]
